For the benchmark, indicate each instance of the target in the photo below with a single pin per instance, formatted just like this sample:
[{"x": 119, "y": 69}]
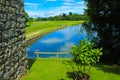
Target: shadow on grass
[
  {"x": 78, "y": 75},
  {"x": 115, "y": 69},
  {"x": 30, "y": 62},
  {"x": 71, "y": 75},
  {"x": 68, "y": 66}
]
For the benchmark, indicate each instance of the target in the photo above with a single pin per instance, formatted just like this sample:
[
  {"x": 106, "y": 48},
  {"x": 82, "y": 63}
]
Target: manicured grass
[
  {"x": 41, "y": 27},
  {"x": 105, "y": 72},
  {"x": 47, "y": 70},
  {"x": 50, "y": 69}
]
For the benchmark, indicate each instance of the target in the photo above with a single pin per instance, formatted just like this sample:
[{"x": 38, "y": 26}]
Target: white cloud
[
  {"x": 51, "y": 0},
  {"x": 69, "y": 0},
  {"x": 41, "y": 13},
  {"x": 31, "y": 4},
  {"x": 81, "y": 3},
  {"x": 67, "y": 3},
  {"x": 75, "y": 4}
]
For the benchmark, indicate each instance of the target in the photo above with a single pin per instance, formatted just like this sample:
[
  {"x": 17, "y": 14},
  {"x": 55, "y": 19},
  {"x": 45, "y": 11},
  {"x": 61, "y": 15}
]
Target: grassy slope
[
  {"x": 48, "y": 69},
  {"x": 41, "y": 27}
]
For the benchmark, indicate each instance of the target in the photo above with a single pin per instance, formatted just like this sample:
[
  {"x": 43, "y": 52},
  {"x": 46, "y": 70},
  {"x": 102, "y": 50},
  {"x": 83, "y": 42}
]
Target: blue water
[{"x": 58, "y": 41}]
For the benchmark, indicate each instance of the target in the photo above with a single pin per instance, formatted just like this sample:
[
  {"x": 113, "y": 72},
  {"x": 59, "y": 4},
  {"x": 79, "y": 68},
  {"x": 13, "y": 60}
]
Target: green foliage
[
  {"x": 85, "y": 55},
  {"x": 104, "y": 16},
  {"x": 27, "y": 19}
]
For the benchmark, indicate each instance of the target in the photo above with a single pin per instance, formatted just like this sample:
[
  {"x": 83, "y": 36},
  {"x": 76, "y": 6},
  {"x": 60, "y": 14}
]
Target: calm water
[{"x": 59, "y": 41}]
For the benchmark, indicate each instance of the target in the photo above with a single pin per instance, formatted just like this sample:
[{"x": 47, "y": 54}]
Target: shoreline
[{"x": 35, "y": 38}]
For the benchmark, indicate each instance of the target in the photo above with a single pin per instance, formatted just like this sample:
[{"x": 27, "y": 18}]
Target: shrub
[{"x": 84, "y": 55}]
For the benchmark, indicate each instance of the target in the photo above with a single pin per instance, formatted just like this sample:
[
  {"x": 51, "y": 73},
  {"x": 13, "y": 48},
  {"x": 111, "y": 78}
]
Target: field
[
  {"x": 50, "y": 69},
  {"x": 43, "y": 27}
]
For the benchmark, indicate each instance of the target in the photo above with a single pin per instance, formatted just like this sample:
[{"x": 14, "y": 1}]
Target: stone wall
[{"x": 13, "y": 57}]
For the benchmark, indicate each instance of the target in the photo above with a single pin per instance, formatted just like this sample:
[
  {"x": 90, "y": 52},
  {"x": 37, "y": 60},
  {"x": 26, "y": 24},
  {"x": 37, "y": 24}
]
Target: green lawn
[
  {"x": 47, "y": 70},
  {"x": 50, "y": 69},
  {"x": 43, "y": 27},
  {"x": 105, "y": 72}
]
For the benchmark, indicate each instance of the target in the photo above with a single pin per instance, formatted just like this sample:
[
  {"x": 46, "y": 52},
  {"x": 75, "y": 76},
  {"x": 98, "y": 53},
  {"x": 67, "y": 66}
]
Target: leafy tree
[
  {"x": 27, "y": 19},
  {"x": 64, "y": 15},
  {"x": 85, "y": 55},
  {"x": 104, "y": 16}
]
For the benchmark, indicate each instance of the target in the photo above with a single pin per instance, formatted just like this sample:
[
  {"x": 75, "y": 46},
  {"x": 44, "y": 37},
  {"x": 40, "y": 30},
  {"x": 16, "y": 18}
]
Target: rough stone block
[{"x": 6, "y": 76}]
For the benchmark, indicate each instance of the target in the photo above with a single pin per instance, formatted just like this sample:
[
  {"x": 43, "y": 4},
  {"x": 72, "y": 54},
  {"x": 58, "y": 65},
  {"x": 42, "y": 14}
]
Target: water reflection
[
  {"x": 67, "y": 47},
  {"x": 59, "y": 41}
]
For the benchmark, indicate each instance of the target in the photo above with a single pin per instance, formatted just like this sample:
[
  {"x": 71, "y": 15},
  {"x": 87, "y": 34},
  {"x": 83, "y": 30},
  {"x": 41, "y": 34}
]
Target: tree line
[{"x": 71, "y": 17}]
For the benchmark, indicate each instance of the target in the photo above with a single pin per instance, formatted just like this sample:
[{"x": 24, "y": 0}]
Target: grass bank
[
  {"x": 50, "y": 69},
  {"x": 41, "y": 28}
]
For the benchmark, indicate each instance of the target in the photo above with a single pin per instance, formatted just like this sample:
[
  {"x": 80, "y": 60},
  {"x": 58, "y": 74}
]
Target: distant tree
[
  {"x": 71, "y": 16},
  {"x": 38, "y": 19},
  {"x": 70, "y": 13},
  {"x": 64, "y": 16},
  {"x": 51, "y": 18},
  {"x": 43, "y": 19},
  {"x": 31, "y": 19}
]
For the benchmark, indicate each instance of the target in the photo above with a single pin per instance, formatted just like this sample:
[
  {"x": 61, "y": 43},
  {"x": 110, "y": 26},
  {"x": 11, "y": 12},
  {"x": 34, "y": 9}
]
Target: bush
[{"x": 84, "y": 55}]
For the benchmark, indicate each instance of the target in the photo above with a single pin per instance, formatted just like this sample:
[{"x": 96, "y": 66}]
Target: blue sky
[{"x": 46, "y": 8}]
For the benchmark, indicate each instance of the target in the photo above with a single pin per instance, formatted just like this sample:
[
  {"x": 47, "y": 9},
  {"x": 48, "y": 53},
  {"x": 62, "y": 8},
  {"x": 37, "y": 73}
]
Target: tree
[
  {"x": 27, "y": 19},
  {"x": 64, "y": 16},
  {"x": 85, "y": 55},
  {"x": 104, "y": 16},
  {"x": 70, "y": 13}
]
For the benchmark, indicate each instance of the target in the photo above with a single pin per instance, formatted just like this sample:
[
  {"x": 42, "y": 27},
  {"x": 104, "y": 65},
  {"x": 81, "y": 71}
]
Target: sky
[{"x": 46, "y": 8}]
